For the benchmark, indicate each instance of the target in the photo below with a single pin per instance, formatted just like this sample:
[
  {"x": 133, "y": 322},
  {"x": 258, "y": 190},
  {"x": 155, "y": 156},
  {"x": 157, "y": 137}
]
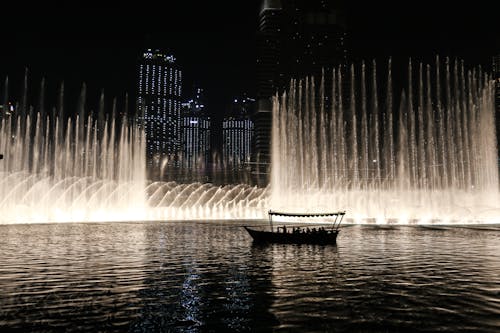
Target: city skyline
[
  {"x": 215, "y": 44},
  {"x": 143, "y": 148}
]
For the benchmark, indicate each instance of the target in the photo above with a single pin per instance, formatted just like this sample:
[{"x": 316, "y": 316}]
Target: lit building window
[{"x": 160, "y": 108}]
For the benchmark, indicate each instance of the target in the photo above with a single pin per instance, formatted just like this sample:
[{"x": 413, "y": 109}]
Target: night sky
[{"x": 214, "y": 41}]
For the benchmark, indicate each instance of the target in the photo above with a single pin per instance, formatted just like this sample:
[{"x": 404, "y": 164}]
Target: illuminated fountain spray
[
  {"x": 426, "y": 155},
  {"x": 429, "y": 156},
  {"x": 81, "y": 168},
  {"x": 92, "y": 168}
]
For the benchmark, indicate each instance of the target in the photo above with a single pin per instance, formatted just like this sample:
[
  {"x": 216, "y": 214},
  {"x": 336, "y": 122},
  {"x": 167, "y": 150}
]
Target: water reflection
[
  {"x": 201, "y": 278},
  {"x": 197, "y": 277}
]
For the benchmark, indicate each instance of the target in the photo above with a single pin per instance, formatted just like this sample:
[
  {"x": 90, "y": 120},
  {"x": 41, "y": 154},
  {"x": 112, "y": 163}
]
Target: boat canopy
[
  {"x": 339, "y": 216},
  {"x": 306, "y": 214}
]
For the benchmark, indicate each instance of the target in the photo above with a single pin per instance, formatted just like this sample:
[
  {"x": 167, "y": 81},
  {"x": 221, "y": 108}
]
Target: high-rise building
[
  {"x": 237, "y": 133},
  {"x": 269, "y": 77},
  {"x": 159, "y": 106},
  {"x": 315, "y": 33},
  {"x": 195, "y": 133},
  {"x": 296, "y": 39}
]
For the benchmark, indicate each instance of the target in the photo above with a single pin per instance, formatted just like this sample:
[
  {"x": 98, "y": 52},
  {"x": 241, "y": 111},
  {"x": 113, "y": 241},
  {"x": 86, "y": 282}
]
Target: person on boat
[{"x": 284, "y": 229}]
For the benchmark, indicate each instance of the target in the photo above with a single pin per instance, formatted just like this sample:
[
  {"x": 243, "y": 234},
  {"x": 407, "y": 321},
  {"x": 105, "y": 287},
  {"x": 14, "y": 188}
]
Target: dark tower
[
  {"x": 269, "y": 76},
  {"x": 315, "y": 33},
  {"x": 296, "y": 39}
]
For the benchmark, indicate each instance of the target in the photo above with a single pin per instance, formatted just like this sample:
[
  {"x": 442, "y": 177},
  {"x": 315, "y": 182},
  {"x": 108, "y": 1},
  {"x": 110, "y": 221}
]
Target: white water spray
[{"x": 433, "y": 159}]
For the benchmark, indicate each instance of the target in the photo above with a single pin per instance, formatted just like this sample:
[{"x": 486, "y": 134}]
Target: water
[
  {"x": 427, "y": 154},
  {"x": 208, "y": 276},
  {"x": 91, "y": 167}
]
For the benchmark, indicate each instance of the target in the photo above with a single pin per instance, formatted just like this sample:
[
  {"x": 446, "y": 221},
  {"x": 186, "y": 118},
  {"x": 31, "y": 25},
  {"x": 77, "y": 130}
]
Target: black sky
[{"x": 214, "y": 41}]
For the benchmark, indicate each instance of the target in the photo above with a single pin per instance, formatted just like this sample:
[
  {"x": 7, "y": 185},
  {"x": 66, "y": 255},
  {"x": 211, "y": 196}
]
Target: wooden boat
[{"x": 299, "y": 234}]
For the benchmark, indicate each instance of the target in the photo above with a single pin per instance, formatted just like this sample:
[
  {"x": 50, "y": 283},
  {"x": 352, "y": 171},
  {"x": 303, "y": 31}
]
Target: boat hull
[{"x": 260, "y": 236}]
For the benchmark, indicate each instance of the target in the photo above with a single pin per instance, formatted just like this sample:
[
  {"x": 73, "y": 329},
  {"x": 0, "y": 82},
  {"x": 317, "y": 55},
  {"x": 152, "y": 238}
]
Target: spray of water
[
  {"x": 88, "y": 167},
  {"x": 425, "y": 155},
  {"x": 429, "y": 155}
]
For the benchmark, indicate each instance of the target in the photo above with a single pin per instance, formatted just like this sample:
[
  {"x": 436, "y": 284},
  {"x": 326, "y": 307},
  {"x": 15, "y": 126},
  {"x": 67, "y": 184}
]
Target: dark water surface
[{"x": 209, "y": 277}]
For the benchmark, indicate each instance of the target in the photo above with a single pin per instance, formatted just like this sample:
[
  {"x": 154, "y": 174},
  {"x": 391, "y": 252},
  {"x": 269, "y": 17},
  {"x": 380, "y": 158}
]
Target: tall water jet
[
  {"x": 69, "y": 169},
  {"x": 91, "y": 167},
  {"x": 438, "y": 161}
]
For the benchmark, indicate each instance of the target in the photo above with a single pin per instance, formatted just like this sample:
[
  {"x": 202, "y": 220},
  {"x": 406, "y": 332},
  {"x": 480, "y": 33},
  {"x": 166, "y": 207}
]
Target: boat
[{"x": 303, "y": 234}]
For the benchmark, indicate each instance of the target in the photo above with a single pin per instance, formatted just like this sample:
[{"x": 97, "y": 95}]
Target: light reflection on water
[{"x": 194, "y": 277}]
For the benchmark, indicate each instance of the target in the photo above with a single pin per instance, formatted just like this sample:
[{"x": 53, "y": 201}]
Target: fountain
[
  {"x": 427, "y": 155},
  {"x": 87, "y": 168},
  {"x": 59, "y": 168}
]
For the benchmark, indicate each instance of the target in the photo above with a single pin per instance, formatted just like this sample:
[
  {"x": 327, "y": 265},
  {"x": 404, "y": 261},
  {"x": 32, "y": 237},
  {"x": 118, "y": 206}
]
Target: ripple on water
[{"x": 194, "y": 277}]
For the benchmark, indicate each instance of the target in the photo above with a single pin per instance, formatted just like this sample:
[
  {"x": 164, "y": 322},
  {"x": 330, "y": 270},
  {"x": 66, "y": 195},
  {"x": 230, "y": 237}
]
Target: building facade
[
  {"x": 159, "y": 107},
  {"x": 238, "y": 134},
  {"x": 195, "y": 133},
  {"x": 270, "y": 75}
]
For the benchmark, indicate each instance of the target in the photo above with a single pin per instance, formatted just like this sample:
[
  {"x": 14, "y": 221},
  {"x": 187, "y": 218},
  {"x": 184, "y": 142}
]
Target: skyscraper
[
  {"x": 315, "y": 33},
  {"x": 296, "y": 39},
  {"x": 195, "y": 133},
  {"x": 159, "y": 105},
  {"x": 269, "y": 76},
  {"x": 237, "y": 133}
]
